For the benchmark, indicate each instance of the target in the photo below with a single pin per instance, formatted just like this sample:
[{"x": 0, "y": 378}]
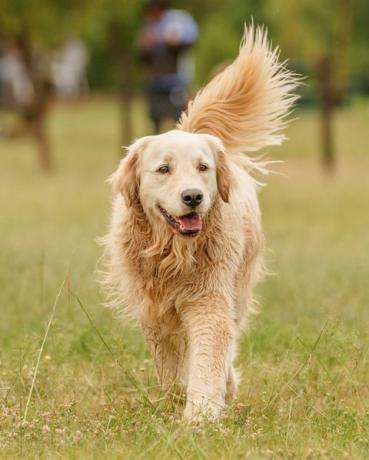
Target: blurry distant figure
[
  {"x": 165, "y": 41},
  {"x": 15, "y": 83},
  {"x": 25, "y": 89},
  {"x": 69, "y": 69},
  {"x": 28, "y": 77}
]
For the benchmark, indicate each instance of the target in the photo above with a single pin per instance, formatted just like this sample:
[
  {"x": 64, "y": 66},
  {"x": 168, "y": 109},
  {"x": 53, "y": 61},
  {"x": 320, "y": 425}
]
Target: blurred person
[
  {"x": 69, "y": 69},
  {"x": 16, "y": 86},
  {"x": 26, "y": 89},
  {"x": 164, "y": 43}
]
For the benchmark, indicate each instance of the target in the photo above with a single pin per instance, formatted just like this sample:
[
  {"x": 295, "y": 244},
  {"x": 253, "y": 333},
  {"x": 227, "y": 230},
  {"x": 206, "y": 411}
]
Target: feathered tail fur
[{"x": 245, "y": 105}]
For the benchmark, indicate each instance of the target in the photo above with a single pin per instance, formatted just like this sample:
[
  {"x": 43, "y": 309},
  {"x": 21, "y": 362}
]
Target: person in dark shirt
[{"x": 164, "y": 44}]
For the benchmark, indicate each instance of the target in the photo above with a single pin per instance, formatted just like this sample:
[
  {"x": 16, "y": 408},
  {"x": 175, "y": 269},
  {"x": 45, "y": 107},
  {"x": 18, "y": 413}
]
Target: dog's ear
[
  {"x": 223, "y": 175},
  {"x": 125, "y": 179},
  {"x": 222, "y": 164}
]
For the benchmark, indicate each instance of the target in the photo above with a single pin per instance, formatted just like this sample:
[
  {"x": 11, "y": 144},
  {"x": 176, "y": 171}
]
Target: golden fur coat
[{"x": 191, "y": 294}]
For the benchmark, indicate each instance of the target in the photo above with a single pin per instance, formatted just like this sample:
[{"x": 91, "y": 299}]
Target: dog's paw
[{"x": 202, "y": 410}]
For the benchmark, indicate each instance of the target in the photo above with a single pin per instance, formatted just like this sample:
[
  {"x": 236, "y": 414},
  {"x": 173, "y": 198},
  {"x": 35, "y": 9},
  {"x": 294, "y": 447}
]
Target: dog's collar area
[{"x": 187, "y": 225}]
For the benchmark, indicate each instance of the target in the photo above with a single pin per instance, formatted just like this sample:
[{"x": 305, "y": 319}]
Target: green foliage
[
  {"x": 47, "y": 22},
  {"x": 112, "y": 36},
  {"x": 302, "y": 28},
  {"x": 213, "y": 50}
]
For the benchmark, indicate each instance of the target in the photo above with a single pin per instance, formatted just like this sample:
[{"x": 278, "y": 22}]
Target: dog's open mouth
[{"x": 187, "y": 225}]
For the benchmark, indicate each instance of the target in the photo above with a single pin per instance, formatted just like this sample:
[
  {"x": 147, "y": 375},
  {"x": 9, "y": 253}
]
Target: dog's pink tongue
[{"x": 190, "y": 221}]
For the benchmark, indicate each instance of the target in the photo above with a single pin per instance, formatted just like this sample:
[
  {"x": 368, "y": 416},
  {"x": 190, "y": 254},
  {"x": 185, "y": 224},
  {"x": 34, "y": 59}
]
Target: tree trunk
[
  {"x": 122, "y": 55},
  {"x": 328, "y": 158},
  {"x": 126, "y": 98},
  {"x": 37, "y": 110},
  {"x": 327, "y": 103},
  {"x": 332, "y": 72},
  {"x": 39, "y": 133}
]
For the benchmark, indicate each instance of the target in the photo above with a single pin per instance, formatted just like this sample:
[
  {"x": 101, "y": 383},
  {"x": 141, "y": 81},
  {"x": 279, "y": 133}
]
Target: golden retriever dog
[{"x": 185, "y": 244}]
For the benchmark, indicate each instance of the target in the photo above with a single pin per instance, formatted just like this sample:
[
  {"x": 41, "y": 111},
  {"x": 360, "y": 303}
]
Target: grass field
[{"x": 305, "y": 361}]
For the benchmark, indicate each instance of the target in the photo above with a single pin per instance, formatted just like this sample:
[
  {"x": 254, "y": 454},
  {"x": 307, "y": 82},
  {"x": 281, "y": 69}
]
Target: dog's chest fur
[{"x": 169, "y": 269}]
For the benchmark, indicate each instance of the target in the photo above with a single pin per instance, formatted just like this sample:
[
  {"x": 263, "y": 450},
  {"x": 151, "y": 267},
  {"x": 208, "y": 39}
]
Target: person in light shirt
[{"x": 165, "y": 43}]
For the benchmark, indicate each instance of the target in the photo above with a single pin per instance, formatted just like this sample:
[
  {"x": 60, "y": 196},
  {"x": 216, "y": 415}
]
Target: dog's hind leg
[{"x": 232, "y": 384}]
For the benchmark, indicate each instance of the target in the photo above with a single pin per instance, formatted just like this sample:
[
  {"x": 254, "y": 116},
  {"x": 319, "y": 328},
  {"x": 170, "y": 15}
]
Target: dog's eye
[
  {"x": 164, "y": 169},
  {"x": 203, "y": 167}
]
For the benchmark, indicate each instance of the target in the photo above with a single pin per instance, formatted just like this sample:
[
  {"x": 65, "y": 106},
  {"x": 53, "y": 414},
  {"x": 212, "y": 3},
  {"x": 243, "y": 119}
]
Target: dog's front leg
[
  {"x": 165, "y": 351},
  {"x": 210, "y": 332}
]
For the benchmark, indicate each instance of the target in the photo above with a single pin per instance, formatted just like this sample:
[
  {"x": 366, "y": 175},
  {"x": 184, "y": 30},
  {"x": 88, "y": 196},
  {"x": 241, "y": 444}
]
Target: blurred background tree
[
  {"x": 33, "y": 29},
  {"x": 318, "y": 34},
  {"x": 112, "y": 33}
]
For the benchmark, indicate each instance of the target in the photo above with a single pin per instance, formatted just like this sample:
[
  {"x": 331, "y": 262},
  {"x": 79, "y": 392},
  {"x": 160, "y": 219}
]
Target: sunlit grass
[{"x": 304, "y": 391}]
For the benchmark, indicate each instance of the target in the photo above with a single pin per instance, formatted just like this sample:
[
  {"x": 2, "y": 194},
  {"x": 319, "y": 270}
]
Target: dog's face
[{"x": 176, "y": 176}]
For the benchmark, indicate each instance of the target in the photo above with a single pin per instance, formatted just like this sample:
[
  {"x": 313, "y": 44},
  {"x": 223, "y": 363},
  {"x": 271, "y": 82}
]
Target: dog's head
[{"x": 176, "y": 177}]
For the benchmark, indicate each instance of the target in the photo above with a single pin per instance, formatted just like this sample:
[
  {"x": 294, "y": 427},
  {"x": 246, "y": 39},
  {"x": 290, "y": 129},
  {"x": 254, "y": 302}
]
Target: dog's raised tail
[{"x": 246, "y": 105}]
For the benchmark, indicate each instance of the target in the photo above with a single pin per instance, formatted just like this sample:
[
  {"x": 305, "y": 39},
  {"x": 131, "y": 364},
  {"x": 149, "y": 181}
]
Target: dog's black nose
[{"x": 192, "y": 197}]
